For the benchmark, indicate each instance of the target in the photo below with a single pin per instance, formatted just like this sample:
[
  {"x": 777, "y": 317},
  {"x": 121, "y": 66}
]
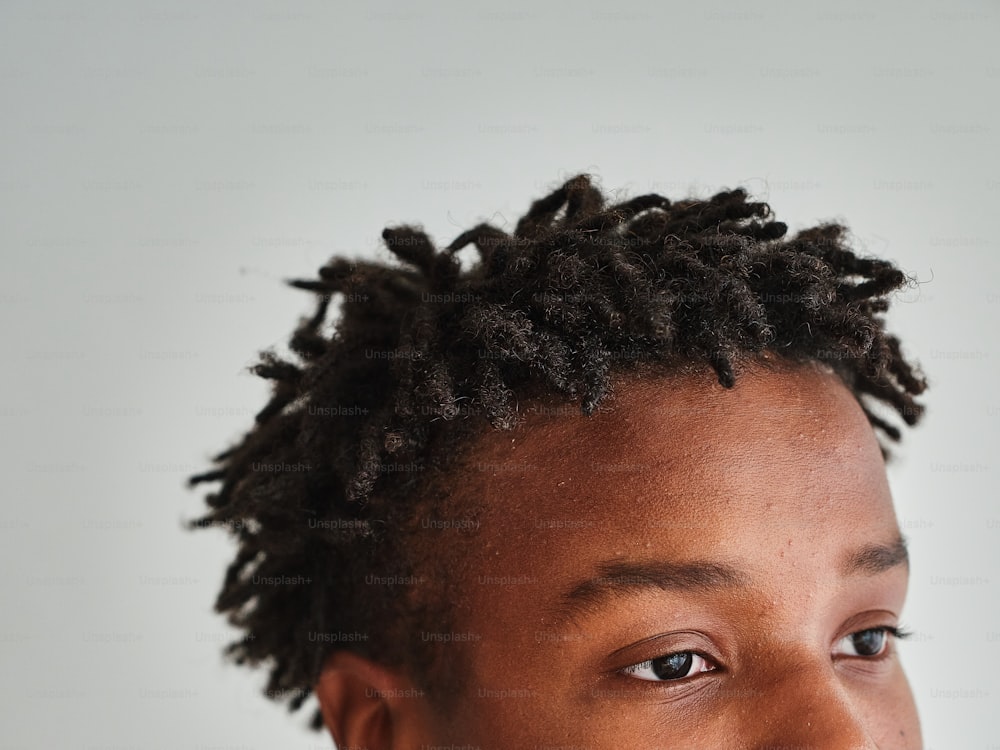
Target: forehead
[
  {"x": 797, "y": 421},
  {"x": 671, "y": 459}
]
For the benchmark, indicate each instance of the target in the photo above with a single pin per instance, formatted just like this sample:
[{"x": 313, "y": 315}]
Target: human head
[{"x": 429, "y": 361}]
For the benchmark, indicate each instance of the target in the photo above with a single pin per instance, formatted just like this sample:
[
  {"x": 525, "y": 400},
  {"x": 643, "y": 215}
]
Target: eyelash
[{"x": 897, "y": 633}]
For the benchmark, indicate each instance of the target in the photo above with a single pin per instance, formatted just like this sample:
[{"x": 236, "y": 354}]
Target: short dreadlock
[{"x": 318, "y": 490}]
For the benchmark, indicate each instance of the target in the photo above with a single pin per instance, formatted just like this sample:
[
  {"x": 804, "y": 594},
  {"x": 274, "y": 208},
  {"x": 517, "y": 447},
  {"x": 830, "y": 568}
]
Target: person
[{"x": 621, "y": 482}]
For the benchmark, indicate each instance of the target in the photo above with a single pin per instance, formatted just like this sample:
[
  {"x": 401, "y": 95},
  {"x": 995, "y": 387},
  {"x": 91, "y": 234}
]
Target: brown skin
[{"x": 779, "y": 478}]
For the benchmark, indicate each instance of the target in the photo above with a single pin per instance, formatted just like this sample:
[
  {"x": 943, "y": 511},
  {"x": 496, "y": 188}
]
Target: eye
[
  {"x": 870, "y": 643},
  {"x": 674, "y": 666}
]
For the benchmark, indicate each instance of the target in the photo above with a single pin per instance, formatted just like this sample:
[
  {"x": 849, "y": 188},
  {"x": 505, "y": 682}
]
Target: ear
[{"x": 367, "y": 705}]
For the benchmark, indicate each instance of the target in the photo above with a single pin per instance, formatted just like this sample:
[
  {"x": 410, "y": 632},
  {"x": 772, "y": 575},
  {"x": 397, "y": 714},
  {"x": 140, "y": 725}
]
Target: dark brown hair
[{"x": 318, "y": 490}]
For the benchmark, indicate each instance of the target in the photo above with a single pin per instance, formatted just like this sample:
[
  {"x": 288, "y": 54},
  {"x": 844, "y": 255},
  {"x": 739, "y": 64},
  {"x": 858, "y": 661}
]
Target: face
[{"x": 694, "y": 567}]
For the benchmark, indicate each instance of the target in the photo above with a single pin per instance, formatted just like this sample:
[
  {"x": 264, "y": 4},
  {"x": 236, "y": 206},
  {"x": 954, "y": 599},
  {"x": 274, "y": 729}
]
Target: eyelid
[
  {"x": 660, "y": 645},
  {"x": 892, "y": 633},
  {"x": 633, "y": 668},
  {"x": 899, "y": 632}
]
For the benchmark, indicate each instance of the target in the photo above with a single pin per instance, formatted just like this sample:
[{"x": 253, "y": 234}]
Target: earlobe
[{"x": 366, "y": 705}]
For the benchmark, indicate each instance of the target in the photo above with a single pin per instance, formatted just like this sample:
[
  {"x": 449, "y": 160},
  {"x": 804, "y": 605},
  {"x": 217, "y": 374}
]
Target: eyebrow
[
  {"x": 616, "y": 578},
  {"x": 873, "y": 559}
]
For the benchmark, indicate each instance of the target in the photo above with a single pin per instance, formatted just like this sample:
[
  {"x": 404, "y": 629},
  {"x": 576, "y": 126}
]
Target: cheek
[{"x": 893, "y": 715}]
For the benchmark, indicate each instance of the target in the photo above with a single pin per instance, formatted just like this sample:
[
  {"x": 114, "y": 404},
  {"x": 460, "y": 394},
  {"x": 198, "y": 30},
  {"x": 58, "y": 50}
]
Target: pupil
[
  {"x": 869, "y": 642},
  {"x": 673, "y": 666}
]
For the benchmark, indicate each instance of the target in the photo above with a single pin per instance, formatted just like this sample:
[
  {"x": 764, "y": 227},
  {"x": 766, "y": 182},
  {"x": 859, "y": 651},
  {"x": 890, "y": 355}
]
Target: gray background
[{"x": 165, "y": 166}]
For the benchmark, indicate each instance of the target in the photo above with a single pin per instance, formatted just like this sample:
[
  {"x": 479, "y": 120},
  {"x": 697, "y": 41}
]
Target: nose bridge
[{"x": 808, "y": 707}]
